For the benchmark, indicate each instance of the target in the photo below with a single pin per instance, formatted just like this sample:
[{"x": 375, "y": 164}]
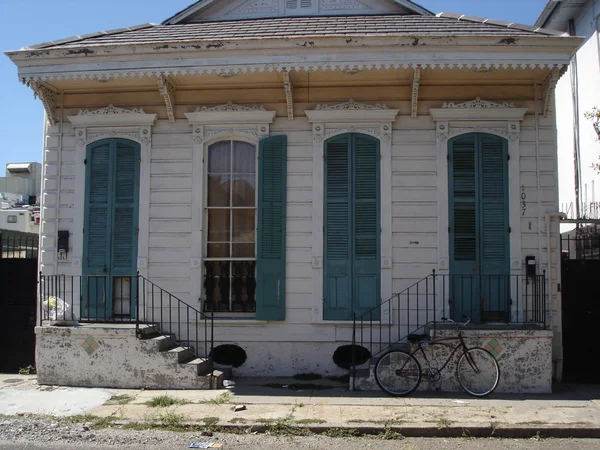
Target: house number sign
[{"x": 523, "y": 202}]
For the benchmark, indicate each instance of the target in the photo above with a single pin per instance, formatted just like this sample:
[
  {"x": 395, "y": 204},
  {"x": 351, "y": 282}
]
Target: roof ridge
[{"x": 501, "y": 23}]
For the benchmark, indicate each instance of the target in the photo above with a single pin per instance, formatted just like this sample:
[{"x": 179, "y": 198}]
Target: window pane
[
  {"x": 243, "y": 250},
  {"x": 218, "y": 190},
  {"x": 244, "y": 190},
  {"x": 244, "y": 157},
  {"x": 218, "y": 225},
  {"x": 243, "y": 225},
  {"x": 219, "y": 157},
  {"x": 218, "y": 250}
]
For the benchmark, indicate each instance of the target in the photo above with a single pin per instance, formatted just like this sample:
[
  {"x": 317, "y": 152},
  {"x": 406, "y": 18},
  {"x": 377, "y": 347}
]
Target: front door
[
  {"x": 110, "y": 229},
  {"x": 479, "y": 228},
  {"x": 351, "y": 231}
]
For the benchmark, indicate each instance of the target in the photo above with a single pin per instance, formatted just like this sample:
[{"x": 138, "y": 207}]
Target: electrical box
[
  {"x": 63, "y": 241},
  {"x": 530, "y": 266}
]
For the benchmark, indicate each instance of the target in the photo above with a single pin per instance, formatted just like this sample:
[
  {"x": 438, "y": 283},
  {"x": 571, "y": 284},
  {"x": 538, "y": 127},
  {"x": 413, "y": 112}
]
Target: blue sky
[{"x": 32, "y": 22}]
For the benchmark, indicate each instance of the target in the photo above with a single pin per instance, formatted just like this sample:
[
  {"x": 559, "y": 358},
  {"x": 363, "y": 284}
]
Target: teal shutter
[
  {"x": 352, "y": 245},
  {"x": 366, "y": 262},
  {"x": 337, "y": 274},
  {"x": 495, "y": 261},
  {"x": 97, "y": 230},
  {"x": 127, "y": 175},
  {"x": 270, "y": 292}
]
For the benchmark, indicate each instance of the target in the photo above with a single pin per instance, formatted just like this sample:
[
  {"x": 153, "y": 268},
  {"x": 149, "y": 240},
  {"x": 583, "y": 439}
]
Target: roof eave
[{"x": 551, "y": 8}]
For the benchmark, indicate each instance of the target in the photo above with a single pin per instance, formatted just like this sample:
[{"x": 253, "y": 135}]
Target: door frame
[
  {"x": 329, "y": 121},
  {"x": 480, "y": 116},
  {"x": 352, "y": 256},
  {"x": 107, "y": 287}
]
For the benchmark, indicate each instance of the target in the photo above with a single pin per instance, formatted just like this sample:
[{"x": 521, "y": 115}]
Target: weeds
[
  {"x": 120, "y": 400},
  {"x": 222, "y": 399},
  {"x": 443, "y": 423},
  {"x": 210, "y": 421},
  {"x": 162, "y": 401},
  {"x": 308, "y": 421},
  {"x": 172, "y": 421},
  {"x": 389, "y": 434},
  {"x": 341, "y": 432},
  {"x": 238, "y": 420},
  {"x": 94, "y": 422},
  {"x": 27, "y": 370},
  {"x": 282, "y": 428}
]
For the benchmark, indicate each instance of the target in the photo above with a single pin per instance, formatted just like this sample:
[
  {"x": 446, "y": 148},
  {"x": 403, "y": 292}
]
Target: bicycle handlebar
[{"x": 446, "y": 319}]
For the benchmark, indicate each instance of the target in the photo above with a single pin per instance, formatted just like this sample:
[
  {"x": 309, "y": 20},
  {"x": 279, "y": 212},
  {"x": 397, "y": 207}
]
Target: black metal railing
[
  {"x": 18, "y": 246},
  {"x": 124, "y": 299},
  {"x": 229, "y": 286},
  {"x": 584, "y": 246},
  {"x": 499, "y": 299}
]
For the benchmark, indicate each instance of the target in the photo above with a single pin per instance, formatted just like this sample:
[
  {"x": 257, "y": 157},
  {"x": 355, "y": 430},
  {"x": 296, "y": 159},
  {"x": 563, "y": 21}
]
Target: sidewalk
[{"x": 572, "y": 411}]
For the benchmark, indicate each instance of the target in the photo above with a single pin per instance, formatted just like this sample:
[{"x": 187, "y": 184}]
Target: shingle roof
[{"x": 443, "y": 24}]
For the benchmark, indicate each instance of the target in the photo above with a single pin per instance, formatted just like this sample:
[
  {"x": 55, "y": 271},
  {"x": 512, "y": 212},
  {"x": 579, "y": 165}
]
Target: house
[
  {"x": 293, "y": 180},
  {"x": 577, "y": 93}
]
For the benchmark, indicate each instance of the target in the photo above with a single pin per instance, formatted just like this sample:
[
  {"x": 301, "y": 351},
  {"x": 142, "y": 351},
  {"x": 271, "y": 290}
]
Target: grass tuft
[
  {"x": 222, "y": 399},
  {"x": 162, "y": 401}
]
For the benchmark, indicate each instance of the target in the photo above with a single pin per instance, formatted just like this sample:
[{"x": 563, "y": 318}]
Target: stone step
[
  {"x": 163, "y": 343},
  {"x": 181, "y": 354},
  {"x": 203, "y": 366}
]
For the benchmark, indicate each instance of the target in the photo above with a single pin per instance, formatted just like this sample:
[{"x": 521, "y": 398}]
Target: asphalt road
[{"x": 265, "y": 442}]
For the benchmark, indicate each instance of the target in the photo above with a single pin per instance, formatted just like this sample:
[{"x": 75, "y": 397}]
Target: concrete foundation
[
  {"x": 524, "y": 357},
  {"x": 112, "y": 356}
]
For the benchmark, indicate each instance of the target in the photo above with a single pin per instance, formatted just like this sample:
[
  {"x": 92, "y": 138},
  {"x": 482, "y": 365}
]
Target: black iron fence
[
  {"x": 18, "y": 246},
  {"x": 499, "y": 299},
  {"x": 582, "y": 246},
  {"x": 124, "y": 299}
]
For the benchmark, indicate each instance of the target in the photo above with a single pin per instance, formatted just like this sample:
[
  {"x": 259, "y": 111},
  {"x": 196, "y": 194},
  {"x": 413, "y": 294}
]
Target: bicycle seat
[{"x": 414, "y": 338}]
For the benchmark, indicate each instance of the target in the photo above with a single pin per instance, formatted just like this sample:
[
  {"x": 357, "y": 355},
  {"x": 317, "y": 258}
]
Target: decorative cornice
[
  {"x": 351, "y": 112},
  {"x": 415, "y": 92},
  {"x": 290, "y": 67},
  {"x": 549, "y": 88},
  {"x": 349, "y": 105},
  {"x": 231, "y": 114},
  {"x": 477, "y": 110},
  {"x": 510, "y": 131},
  {"x": 48, "y": 98},
  {"x": 166, "y": 87},
  {"x": 478, "y": 103},
  {"x": 229, "y": 107},
  {"x": 288, "y": 86},
  {"x": 112, "y": 116}
]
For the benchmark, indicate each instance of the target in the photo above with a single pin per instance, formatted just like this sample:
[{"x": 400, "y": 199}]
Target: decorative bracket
[
  {"x": 166, "y": 87},
  {"x": 48, "y": 97},
  {"x": 549, "y": 87},
  {"x": 415, "y": 92},
  {"x": 288, "y": 85}
]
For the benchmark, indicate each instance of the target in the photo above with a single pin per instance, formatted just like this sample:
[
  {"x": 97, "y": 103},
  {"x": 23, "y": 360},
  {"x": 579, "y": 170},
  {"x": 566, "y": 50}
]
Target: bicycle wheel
[
  {"x": 477, "y": 372},
  {"x": 397, "y": 373}
]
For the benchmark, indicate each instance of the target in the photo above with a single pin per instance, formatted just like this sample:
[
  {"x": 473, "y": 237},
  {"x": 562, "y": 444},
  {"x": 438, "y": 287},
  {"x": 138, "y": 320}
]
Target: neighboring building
[
  {"x": 577, "y": 93},
  {"x": 288, "y": 166},
  {"x": 24, "y": 179}
]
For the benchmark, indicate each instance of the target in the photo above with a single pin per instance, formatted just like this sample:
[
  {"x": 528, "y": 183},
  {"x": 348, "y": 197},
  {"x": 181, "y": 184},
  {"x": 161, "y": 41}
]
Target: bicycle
[{"x": 399, "y": 373}]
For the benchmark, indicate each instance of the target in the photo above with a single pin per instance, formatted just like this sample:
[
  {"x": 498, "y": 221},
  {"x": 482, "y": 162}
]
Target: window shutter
[
  {"x": 366, "y": 263},
  {"x": 124, "y": 245},
  {"x": 338, "y": 229},
  {"x": 463, "y": 199},
  {"x": 494, "y": 205},
  {"x": 272, "y": 159}
]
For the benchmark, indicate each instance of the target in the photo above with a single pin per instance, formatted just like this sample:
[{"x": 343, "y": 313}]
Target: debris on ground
[{"x": 237, "y": 408}]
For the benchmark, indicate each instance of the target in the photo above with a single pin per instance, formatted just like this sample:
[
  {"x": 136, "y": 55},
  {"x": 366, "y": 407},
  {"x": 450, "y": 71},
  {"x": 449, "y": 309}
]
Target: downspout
[
  {"x": 576, "y": 140},
  {"x": 558, "y": 357}
]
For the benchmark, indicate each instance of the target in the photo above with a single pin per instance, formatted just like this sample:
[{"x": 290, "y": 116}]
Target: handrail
[
  {"x": 110, "y": 299},
  {"x": 515, "y": 299},
  {"x": 151, "y": 295}
]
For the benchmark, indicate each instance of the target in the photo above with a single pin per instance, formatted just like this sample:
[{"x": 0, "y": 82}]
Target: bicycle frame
[{"x": 442, "y": 342}]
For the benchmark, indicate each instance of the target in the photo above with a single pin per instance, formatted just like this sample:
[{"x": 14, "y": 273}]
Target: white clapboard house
[{"x": 282, "y": 187}]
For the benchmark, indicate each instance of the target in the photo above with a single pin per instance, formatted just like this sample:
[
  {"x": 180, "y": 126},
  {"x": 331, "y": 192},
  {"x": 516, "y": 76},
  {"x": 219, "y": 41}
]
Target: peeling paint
[
  {"x": 509, "y": 41},
  {"x": 217, "y": 45},
  {"x": 306, "y": 44},
  {"x": 82, "y": 51}
]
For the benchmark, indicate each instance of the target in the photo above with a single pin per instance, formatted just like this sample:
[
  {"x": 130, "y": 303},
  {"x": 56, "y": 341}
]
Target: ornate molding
[
  {"x": 351, "y": 112},
  {"x": 342, "y": 5},
  {"x": 288, "y": 86},
  {"x": 48, "y": 98},
  {"x": 231, "y": 114},
  {"x": 549, "y": 88},
  {"x": 254, "y": 6},
  {"x": 477, "y": 110},
  {"x": 229, "y": 107},
  {"x": 166, "y": 87},
  {"x": 321, "y": 132},
  {"x": 112, "y": 116},
  {"x": 478, "y": 103},
  {"x": 349, "y": 105},
  {"x": 510, "y": 131},
  {"x": 297, "y": 67},
  {"x": 415, "y": 92}
]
